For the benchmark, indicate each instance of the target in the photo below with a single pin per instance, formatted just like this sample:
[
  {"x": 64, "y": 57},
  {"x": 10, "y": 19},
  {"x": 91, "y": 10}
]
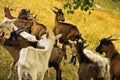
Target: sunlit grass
[{"x": 100, "y": 24}]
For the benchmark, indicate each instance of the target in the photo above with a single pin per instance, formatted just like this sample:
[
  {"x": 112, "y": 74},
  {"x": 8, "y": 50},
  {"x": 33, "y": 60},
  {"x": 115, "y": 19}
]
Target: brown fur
[
  {"x": 67, "y": 30},
  {"x": 55, "y": 58},
  {"x": 113, "y": 55},
  {"x": 7, "y": 13},
  {"x": 88, "y": 70},
  {"x": 38, "y": 29}
]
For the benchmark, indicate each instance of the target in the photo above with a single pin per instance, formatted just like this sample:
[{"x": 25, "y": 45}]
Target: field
[{"x": 103, "y": 22}]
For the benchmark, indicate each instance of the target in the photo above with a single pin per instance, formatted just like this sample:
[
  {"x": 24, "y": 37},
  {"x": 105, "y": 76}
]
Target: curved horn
[
  {"x": 56, "y": 8},
  {"x": 72, "y": 42},
  {"x": 84, "y": 41},
  {"x": 114, "y": 39},
  {"x": 109, "y": 37}
]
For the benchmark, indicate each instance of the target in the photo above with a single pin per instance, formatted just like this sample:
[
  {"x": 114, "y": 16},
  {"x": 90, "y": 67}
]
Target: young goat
[
  {"x": 91, "y": 66},
  {"x": 34, "y": 62},
  {"x": 68, "y": 31},
  {"x": 108, "y": 47}
]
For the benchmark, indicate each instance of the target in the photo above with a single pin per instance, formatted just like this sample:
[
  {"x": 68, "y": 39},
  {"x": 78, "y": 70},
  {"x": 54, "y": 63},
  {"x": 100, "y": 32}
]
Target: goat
[
  {"x": 55, "y": 61},
  {"x": 31, "y": 26},
  {"x": 38, "y": 29},
  {"x": 23, "y": 14},
  {"x": 39, "y": 57},
  {"x": 108, "y": 47},
  {"x": 91, "y": 66},
  {"x": 13, "y": 50},
  {"x": 68, "y": 31},
  {"x": 20, "y": 42},
  {"x": 19, "y": 22}
]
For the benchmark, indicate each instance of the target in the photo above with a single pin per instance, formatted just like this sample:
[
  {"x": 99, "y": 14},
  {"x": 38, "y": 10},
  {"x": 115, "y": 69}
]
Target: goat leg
[
  {"x": 64, "y": 51},
  {"x": 73, "y": 60},
  {"x": 11, "y": 70}
]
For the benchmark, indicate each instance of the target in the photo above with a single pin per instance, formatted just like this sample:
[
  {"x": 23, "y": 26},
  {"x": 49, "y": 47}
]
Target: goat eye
[{"x": 6, "y": 22}]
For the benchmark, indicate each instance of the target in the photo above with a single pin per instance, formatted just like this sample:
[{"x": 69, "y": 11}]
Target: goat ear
[
  {"x": 86, "y": 45},
  {"x": 58, "y": 36},
  {"x": 114, "y": 39},
  {"x": 54, "y": 11},
  {"x": 47, "y": 34}
]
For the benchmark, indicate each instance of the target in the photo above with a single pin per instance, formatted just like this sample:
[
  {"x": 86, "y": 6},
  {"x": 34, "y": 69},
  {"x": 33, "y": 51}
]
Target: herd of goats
[{"x": 34, "y": 49}]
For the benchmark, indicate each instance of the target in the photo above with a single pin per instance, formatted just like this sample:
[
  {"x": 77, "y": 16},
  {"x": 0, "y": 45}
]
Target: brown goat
[
  {"x": 38, "y": 29},
  {"x": 22, "y": 20},
  {"x": 108, "y": 47},
  {"x": 19, "y": 42},
  {"x": 24, "y": 14},
  {"x": 67, "y": 30},
  {"x": 88, "y": 68}
]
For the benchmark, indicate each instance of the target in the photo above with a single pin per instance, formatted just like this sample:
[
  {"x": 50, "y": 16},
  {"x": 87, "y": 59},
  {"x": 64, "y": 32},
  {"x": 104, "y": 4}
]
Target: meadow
[{"x": 103, "y": 22}]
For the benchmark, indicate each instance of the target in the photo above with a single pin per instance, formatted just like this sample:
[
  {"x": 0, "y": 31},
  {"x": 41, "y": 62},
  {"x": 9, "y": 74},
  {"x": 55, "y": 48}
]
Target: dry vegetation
[{"x": 101, "y": 23}]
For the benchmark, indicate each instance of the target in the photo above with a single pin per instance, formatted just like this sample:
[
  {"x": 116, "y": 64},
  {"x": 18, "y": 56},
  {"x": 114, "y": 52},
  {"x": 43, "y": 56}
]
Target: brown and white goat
[
  {"x": 68, "y": 31},
  {"x": 91, "y": 66},
  {"x": 55, "y": 58},
  {"x": 108, "y": 47}
]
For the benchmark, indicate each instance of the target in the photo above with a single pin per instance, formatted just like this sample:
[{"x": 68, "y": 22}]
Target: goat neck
[{"x": 111, "y": 52}]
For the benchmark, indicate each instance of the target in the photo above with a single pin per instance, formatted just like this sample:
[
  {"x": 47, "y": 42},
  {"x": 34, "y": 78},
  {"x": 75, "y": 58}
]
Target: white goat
[
  {"x": 103, "y": 63},
  {"x": 33, "y": 63}
]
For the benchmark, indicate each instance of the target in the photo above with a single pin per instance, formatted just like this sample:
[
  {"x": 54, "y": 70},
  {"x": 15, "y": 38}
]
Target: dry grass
[{"x": 99, "y": 24}]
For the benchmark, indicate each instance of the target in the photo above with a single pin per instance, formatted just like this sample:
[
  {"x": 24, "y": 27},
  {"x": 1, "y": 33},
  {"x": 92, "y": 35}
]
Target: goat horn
[
  {"x": 109, "y": 37},
  {"x": 114, "y": 39},
  {"x": 56, "y": 8},
  {"x": 86, "y": 45},
  {"x": 72, "y": 42},
  {"x": 84, "y": 41}
]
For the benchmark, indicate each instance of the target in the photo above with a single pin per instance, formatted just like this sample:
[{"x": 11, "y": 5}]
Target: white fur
[
  {"x": 28, "y": 36},
  {"x": 8, "y": 23},
  {"x": 35, "y": 61},
  {"x": 103, "y": 63}
]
